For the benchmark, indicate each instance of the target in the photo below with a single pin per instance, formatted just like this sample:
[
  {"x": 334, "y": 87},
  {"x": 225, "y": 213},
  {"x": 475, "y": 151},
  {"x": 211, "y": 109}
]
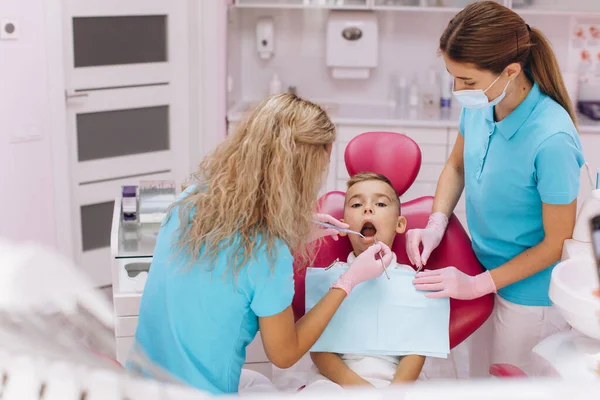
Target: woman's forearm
[
  {"x": 449, "y": 189},
  {"x": 310, "y": 327},
  {"x": 526, "y": 264}
]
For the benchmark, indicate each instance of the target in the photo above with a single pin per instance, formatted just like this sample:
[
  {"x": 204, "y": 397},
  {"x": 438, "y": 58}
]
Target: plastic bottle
[
  {"x": 402, "y": 93},
  {"x": 431, "y": 92},
  {"x": 446, "y": 91},
  {"x": 275, "y": 87}
]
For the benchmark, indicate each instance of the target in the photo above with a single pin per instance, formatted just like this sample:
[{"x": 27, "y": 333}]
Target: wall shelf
[
  {"x": 451, "y": 6},
  {"x": 303, "y": 4}
]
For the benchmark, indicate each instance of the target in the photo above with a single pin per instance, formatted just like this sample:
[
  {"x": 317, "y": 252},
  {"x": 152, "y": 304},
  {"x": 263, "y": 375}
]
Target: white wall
[
  {"x": 26, "y": 173},
  {"x": 408, "y": 45}
]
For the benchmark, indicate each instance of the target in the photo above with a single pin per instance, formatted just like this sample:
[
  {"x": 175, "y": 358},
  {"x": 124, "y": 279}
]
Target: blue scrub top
[
  {"x": 195, "y": 323},
  {"x": 511, "y": 167}
]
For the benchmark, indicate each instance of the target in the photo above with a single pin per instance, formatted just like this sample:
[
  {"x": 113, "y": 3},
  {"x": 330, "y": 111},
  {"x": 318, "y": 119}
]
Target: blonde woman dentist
[
  {"x": 222, "y": 265},
  {"x": 518, "y": 158}
]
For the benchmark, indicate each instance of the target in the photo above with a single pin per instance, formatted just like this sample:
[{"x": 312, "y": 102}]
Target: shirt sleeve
[
  {"x": 461, "y": 121},
  {"x": 558, "y": 163},
  {"x": 272, "y": 286}
]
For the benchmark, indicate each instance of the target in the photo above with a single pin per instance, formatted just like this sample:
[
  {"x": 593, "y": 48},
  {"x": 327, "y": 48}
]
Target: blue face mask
[{"x": 476, "y": 99}]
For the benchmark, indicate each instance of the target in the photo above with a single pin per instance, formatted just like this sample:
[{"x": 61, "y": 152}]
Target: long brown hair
[
  {"x": 260, "y": 185},
  {"x": 491, "y": 37}
]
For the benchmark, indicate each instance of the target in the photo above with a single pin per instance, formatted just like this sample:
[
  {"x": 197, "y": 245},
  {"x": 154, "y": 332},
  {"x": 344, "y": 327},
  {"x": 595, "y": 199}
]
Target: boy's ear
[
  {"x": 401, "y": 227},
  {"x": 342, "y": 233}
]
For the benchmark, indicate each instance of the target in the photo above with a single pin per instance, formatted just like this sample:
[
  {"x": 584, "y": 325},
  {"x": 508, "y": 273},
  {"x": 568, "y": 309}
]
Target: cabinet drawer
[
  {"x": 340, "y": 185},
  {"x": 127, "y": 305},
  {"x": 123, "y": 347},
  {"x": 125, "y": 326},
  {"x": 419, "y": 189},
  {"x": 436, "y": 136},
  {"x": 430, "y": 172},
  {"x": 342, "y": 172},
  {"x": 433, "y": 154}
]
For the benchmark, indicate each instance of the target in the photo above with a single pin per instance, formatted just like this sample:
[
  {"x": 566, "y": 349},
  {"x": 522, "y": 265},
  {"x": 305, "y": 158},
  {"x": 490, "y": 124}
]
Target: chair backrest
[{"x": 398, "y": 157}]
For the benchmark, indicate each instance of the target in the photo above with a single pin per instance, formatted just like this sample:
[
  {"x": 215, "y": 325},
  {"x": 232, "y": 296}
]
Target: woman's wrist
[
  {"x": 438, "y": 221},
  {"x": 483, "y": 284}
]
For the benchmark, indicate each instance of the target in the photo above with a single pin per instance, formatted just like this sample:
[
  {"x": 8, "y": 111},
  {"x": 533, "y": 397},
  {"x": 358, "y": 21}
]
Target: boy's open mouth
[{"x": 368, "y": 229}]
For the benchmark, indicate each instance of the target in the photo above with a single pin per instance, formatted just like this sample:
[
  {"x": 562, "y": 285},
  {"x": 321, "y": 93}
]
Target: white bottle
[
  {"x": 414, "y": 96},
  {"x": 402, "y": 94},
  {"x": 446, "y": 91},
  {"x": 431, "y": 92},
  {"x": 275, "y": 87}
]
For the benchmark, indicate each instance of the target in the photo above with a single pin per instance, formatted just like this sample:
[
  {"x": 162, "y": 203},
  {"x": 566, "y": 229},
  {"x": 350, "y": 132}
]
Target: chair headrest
[{"x": 394, "y": 155}]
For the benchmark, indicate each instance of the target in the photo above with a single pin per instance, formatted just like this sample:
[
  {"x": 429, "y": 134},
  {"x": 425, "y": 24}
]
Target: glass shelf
[
  {"x": 423, "y": 5},
  {"x": 329, "y": 4},
  {"x": 136, "y": 240},
  {"x": 558, "y": 7}
]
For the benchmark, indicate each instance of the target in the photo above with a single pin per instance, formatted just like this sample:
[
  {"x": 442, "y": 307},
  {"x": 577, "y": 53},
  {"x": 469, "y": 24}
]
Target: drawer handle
[{"x": 134, "y": 269}]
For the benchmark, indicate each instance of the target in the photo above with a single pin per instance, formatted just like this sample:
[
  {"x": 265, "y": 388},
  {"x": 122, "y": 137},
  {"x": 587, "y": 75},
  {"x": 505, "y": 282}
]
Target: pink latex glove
[
  {"x": 451, "y": 282},
  {"x": 430, "y": 237},
  {"x": 319, "y": 231},
  {"x": 365, "y": 267}
]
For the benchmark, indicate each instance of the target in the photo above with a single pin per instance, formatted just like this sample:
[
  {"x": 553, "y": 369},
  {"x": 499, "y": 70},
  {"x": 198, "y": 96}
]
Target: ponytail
[{"x": 546, "y": 73}]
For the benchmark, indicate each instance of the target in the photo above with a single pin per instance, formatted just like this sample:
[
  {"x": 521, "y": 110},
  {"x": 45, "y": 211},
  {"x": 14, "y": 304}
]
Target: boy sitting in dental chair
[{"x": 372, "y": 207}]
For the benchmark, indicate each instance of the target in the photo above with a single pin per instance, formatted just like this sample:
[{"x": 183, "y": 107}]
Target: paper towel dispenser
[{"x": 352, "y": 44}]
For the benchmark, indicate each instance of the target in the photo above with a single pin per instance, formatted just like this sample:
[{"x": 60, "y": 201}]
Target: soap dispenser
[{"x": 589, "y": 209}]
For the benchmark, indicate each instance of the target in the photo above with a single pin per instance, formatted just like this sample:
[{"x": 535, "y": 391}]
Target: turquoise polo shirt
[
  {"x": 196, "y": 318},
  {"x": 511, "y": 167}
]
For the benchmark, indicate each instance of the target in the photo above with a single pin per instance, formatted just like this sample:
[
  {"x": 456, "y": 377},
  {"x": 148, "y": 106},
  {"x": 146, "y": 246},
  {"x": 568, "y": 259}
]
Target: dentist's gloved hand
[
  {"x": 319, "y": 231},
  {"x": 365, "y": 267},
  {"x": 431, "y": 237},
  {"x": 450, "y": 282}
]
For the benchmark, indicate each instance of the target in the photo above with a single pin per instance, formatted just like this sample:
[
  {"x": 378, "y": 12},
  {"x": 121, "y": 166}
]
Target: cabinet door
[{"x": 591, "y": 150}]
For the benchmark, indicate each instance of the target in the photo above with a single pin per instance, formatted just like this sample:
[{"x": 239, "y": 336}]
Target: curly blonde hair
[{"x": 260, "y": 185}]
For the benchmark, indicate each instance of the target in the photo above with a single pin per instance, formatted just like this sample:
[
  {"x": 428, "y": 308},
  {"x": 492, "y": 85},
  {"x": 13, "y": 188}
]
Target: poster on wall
[{"x": 584, "y": 47}]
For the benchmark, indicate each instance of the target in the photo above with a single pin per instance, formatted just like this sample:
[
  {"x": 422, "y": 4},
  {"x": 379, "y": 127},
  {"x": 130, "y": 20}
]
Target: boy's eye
[
  {"x": 380, "y": 204},
  {"x": 355, "y": 205}
]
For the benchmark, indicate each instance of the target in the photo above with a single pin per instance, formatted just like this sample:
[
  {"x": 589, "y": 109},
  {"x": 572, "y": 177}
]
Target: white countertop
[{"x": 385, "y": 115}]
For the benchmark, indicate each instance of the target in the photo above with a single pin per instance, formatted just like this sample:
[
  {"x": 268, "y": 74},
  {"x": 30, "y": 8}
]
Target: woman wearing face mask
[{"x": 518, "y": 157}]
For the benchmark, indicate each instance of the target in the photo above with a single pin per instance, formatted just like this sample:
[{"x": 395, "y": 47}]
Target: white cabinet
[{"x": 132, "y": 247}]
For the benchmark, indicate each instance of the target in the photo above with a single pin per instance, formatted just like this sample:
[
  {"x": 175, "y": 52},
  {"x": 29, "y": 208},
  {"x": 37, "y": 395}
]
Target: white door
[{"x": 127, "y": 109}]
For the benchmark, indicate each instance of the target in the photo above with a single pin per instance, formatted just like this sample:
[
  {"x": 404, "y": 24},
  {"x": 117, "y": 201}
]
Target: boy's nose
[{"x": 368, "y": 210}]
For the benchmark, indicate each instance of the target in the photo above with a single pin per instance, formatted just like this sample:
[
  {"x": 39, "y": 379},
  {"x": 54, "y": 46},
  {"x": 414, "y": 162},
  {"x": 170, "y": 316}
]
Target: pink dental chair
[{"x": 399, "y": 158}]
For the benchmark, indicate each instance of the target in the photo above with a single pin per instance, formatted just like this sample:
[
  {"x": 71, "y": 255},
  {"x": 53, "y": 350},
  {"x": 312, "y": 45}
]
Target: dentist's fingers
[
  {"x": 428, "y": 279},
  {"x": 428, "y": 272},
  {"x": 331, "y": 220},
  {"x": 427, "y": 250},
  {"x": 438, "y": 295},
  {"x": 412, "y": 247},
  {"x": 430, "y": 287}
]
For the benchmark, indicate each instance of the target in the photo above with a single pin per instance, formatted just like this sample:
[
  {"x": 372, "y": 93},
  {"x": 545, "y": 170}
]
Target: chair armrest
[{"x": 506, "y": 371}]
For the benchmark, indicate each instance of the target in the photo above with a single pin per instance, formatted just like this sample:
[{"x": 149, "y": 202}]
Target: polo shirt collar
[{"x": 511, "y": 124}]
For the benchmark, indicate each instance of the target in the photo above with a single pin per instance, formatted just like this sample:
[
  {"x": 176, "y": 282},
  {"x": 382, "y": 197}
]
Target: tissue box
[{"x": 352, "y": 44}]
